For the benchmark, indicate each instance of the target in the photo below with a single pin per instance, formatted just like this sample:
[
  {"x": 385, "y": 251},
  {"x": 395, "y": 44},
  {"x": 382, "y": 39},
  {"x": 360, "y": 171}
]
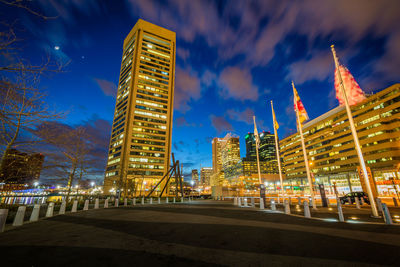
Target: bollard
[
  {"x": 245, "y": 202},
  {"x": 357, "y": 202},
  {"x": 235, "y": 201},
  {"x": 252, "y": 202},
  {"x": 166, "y": 200},
  {"x": 182, "y": 199},
  {"x": 379, "y": 204},
  {"x": 50, "y": 210},
  {"x": 159, "y": 201},
  {"x": 395, "y": 202},
  {"x": 134, "y": 201},
  {"x": 239, "y": 201},
  {"x": 63, "y": 207},
  {"x": 19, "y": 217},
  {"x": 307, "y": 213},
  {"x": 261, "y": 203},
  {"x": 174, "y": 200},
  {"x": 273, "y": 205},
  {"x": 340, "y": 211},
  {"x": 151, "y": 200},
  {"x": 299, "y": 200},
  {"x": 3, "y": 218},
  {"x": 279, "y": 200},
  {"x": 287, "y": 206},
  {"x": 75, "y": 206},
  {"x": 35, "y": 213},
  {"x": 106, "y": 203},
  {"x": 86, "y": 205},
  {"x": 386, "y": 214},
  {"x": 96, "y": 203},
  {"x": 116, "y": 204},
  {"x": 125, "y": 202},
  {"x": 361, "y": 201},
  {"x": 142, "y": 201}
]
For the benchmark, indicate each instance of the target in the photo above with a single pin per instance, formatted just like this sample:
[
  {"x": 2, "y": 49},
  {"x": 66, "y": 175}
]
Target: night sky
[{"x": 233, "y": 57}]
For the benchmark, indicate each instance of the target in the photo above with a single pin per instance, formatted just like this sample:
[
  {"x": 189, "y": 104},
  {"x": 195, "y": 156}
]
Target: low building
[{"x": 331, "y": 152}]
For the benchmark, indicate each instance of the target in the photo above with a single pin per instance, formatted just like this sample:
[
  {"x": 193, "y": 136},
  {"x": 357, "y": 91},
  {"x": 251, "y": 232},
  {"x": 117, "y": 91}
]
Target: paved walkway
[{"x": 202, "y": 233}]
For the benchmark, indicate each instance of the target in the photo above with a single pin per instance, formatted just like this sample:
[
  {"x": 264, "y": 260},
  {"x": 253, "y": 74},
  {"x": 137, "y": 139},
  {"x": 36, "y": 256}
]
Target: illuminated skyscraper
[
  {"x": 217, "y": 176},
  {"x": 205, "y": 175},
  {"x": 140, "y": 145},
  {"x": 267, "y": 151}
]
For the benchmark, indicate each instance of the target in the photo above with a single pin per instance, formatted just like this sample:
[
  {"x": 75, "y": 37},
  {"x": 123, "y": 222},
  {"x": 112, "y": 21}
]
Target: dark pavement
[{"x": 201, "y": 233}]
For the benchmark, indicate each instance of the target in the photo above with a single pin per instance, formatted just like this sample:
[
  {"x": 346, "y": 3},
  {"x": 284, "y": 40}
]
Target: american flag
[{"x": 353, "y": 91}]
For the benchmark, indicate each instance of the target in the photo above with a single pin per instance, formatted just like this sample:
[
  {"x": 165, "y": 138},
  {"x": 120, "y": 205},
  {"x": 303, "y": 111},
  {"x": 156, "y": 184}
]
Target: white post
[
  {"x": 86, "y": 205},
  {"x": 75, "y": 206},
  {"x": 355, "y": 137},
  {"x": 151, "y": 200},
  {"x": 116, "y": 202},
  {"x": 253, "y": 202},
  {"x": 379, "y": 204},
  {"x": 19, "y": 217},
  {"x": 386, "y": 214},
  {"x": 273, "y": 206},
  {"x": 235, "y": 201},
  {"x": 261, "y": 203},
  {"x": 299, "y": 200},
  {"x": 166, "y": 200},
  {"x": 142, "y": 201},
  {"x": 340, "y": 211},
  {"x": 62, "y": 207},
  {"x": 159, "y": 201},
  {"x": 134, "y": 201},
  {"x": 310, "y": 183},
  {"x": 182, "y": 199},
  {"x": 125, "y": 202},
  {"x": 50, "y": 210},
  {"x": 245, "y": 202},
  {"x": 357, "y": 203},
  {"x": 307, "y": 213},
  {"x": 239, "y": 201},
  {"x": 287, "y": 206},
  {"x": 96, "y": 203},
  {"x": 277, "y": 149},
  {"x": 106, "y": 203},
  {"x": 174, "y": 200},
  {"x": 35, "y": 213},
  {"x": 3, "y": 219}
]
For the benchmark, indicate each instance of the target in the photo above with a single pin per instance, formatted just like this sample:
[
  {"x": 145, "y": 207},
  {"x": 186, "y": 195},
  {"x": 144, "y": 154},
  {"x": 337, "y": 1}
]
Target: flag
[
  {"x": 276, "y": 125},
  {"x": 353, "y": 91},
  {"x": 257, "y": 137},
  {"x": 300, "y": 108}
]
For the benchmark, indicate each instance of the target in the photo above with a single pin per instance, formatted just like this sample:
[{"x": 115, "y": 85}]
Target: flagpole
[
  {"x": 304, "y": 152},
  {"x": 277, "y": 149},
  {"x": 258, "y": 159},
  {"x": 355, "y": 137}
]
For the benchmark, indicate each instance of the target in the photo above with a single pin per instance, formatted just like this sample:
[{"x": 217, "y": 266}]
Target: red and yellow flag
[
  {"x": 276, "y": 125},
  {"x": 353, "y": 91},
  {"x": 303, "y": 116}
]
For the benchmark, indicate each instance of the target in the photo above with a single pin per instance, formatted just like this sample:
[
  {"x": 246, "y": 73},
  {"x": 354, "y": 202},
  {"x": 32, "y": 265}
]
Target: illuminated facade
[
  {"x": 266, "y": 150},
  {"x": 218, "y": 176},
  {"x": 140, "y": 145},
  {"x": 205, "y": 175},
  {"x": 230, "y": 152},
  {"x": 330, "y": 146},
  {"x": 195, "y": 177}
]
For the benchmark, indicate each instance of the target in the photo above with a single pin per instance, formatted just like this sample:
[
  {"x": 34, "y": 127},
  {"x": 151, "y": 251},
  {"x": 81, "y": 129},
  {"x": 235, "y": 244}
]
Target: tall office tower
[
  {"x": 205, "y": 175},
  {"x": 230, "y": 152},
  {"x": 266, "y": 152},
  {"x": 195, "y": 177},
  {"x": 140, "y": 145},
  {"x": 217, "y": 175}
]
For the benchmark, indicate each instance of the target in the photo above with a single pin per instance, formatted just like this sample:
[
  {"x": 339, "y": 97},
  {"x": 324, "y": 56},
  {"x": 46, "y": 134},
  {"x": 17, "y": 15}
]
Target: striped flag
[
  {"x": 276, "y": 125},
  {"x": 256, "y": 133},
  {"x": 353, "y": 91},
  {"x": 303, "y": 116}
]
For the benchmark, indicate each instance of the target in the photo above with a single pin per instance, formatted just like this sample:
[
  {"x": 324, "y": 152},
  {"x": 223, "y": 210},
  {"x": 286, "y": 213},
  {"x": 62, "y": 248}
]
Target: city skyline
[{"x": 219, "y": 85}]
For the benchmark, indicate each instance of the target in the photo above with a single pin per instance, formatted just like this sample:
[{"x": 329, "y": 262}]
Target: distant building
[
  {"x": 230, "y": 151},
  {"x": 20, "y": 169},
  {"x": 217, "y": 176},
  {"x": 205, "y": 175},
  {"x": 195, "y": 177},
  {"x": 266, "y": 151}
]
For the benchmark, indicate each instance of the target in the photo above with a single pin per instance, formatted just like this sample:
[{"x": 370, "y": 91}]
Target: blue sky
[{"x": 233, "y": 57}]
